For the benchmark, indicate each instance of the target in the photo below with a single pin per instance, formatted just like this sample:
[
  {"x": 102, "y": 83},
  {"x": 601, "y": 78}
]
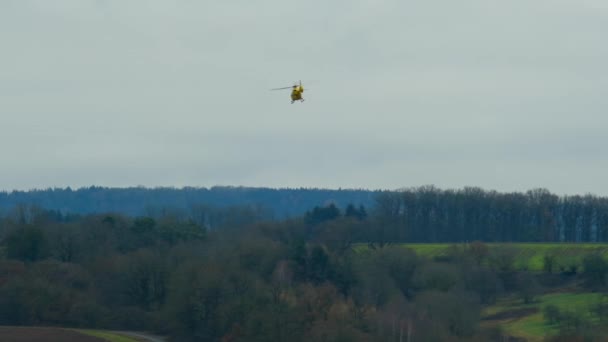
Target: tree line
[
  {"x": 421, "y": 214},
  {"x": 429, "y": 214}
]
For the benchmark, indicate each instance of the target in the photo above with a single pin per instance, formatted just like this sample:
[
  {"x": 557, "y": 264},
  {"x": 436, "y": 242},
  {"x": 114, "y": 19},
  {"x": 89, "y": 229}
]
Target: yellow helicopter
[{"x": 296, "y": 92}]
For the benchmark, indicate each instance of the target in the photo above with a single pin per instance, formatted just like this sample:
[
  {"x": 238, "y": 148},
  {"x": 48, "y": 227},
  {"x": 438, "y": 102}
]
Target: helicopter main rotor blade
[{"x": 281, "y": 88}]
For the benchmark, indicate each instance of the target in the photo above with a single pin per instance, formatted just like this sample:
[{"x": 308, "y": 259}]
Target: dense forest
[{"x": 333, "y": 274}]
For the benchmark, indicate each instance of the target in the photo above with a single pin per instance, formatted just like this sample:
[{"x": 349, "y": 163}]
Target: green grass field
[
  {"x": 529, "y": 256},
  {"x": 533, "y": 327}
]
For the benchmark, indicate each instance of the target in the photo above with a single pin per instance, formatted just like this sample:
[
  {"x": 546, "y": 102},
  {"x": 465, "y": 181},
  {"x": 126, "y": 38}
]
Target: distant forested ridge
[
  {"x": 418, "y": 214},
  {"x": 136, "y": 201}
]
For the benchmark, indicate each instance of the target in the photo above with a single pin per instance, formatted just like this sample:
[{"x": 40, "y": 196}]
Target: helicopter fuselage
[{"x": 296, "y": 93}]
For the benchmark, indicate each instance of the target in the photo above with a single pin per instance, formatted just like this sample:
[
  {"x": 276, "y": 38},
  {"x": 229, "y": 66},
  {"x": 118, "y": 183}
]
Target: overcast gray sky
[{"x": 505, "y": 95}]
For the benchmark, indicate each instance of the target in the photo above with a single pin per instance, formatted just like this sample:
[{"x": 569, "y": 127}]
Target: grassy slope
[
  {"x": 108, "y": 336},
  {"x": 533, "y": 327}
]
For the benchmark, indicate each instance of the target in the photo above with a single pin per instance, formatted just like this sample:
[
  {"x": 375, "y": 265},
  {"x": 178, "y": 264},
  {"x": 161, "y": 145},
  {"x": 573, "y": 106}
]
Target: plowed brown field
[{"x": 31, "y": 334}]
